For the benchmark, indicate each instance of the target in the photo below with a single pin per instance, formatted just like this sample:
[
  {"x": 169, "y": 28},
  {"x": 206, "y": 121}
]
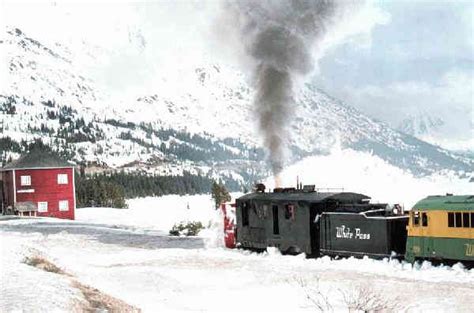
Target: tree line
[{"x": 111, "y": 189}]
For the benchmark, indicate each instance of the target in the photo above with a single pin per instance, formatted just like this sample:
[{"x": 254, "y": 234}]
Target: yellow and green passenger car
[{"x": 442, "y": 228}]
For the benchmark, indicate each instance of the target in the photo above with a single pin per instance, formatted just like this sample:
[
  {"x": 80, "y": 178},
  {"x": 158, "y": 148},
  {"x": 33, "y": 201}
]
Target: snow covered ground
[{"x": 127, "y": 254}]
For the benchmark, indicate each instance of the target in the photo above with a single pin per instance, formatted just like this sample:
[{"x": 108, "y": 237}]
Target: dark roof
[
  {"x": 442, "y": 203},
  {"x": 37, "y": 159},
  {"x": 312, "y": 197}
]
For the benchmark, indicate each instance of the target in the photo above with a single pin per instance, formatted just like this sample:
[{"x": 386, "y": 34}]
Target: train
[{"x": 438, "y": 228}]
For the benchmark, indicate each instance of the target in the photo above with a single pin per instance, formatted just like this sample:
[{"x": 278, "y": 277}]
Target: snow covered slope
[
  {"x": 198, "y": 119},
  {"x": 432, "y": 128}
]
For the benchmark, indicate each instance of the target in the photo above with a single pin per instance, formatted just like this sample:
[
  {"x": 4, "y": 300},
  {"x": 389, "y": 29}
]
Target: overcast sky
[{"x": 419, "y": 59}]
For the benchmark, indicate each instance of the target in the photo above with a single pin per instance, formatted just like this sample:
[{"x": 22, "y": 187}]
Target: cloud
[
  {"x": 450, "y": 100},
  {"x": 407, "y": 60},
  {"x": 357, "y": 21}
]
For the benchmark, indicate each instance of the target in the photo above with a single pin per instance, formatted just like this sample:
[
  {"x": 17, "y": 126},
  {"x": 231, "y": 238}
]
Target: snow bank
[{"x": 24, "y": 287}]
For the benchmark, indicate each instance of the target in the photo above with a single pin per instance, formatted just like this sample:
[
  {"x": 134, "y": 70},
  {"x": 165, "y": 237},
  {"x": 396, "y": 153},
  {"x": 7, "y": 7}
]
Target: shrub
[
  {"x": 186, "y": 229},
  {"x": 42, "y": 263}
]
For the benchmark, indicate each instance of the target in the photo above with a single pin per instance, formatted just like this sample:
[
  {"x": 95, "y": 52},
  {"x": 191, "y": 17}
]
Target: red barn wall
[
  {"x": 44, "y": 182},
  {"x": 8, "y": 188}
]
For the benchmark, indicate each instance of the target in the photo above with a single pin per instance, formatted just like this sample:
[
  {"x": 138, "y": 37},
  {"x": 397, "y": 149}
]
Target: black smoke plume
[{"x": 279, "y": 37}]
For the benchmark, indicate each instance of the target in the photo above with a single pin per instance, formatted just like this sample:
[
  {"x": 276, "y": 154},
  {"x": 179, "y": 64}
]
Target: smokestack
[{"x": 278, "y": 36}]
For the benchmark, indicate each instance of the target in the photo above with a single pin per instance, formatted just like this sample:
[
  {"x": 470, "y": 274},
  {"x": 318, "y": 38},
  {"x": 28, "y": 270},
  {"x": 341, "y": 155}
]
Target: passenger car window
[
  {"x": 458, "y": 219},
  {"x": 465, "y": 220},
  {"x": 472, "y": 220},
  {"x": 450, "y": 219}
]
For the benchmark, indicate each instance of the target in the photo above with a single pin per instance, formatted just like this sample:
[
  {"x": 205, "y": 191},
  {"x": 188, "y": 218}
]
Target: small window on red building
[
  {"x": 42, "y": 207},
  {"x": 25, "y": 180},
  {"x": 63, "y": 205},
  {"x": 62, "y": 179}
]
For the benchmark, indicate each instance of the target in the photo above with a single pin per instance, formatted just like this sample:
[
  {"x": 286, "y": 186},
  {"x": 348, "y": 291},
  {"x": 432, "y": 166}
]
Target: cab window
[
  {"x": 424, "y": 219},
  {"x": 416, "y": 218},
  {"x": 289, "y": 211}
]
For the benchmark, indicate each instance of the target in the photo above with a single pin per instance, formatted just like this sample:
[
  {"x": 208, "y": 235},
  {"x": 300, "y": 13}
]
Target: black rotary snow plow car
[{"x": 329, "y": 223}]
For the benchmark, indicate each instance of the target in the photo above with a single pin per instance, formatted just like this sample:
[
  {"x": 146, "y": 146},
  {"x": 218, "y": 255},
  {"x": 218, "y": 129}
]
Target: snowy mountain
[
  {"x": 420, "y": 125},
  {"x": 432, "y": 127},
  {"x": 197, "y": 119}
]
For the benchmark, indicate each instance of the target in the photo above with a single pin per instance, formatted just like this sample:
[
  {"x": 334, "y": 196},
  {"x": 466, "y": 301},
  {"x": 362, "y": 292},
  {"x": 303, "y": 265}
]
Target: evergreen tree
[{"x": 219, "y": 194}]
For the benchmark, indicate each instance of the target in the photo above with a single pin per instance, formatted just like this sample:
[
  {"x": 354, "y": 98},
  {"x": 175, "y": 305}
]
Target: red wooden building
[{"x": 40, "y": 183}]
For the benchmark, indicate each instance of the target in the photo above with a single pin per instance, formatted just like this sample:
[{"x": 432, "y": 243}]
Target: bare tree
[
  {"x": 313, "y": 293},
  {"x": 362, "y": 298}
]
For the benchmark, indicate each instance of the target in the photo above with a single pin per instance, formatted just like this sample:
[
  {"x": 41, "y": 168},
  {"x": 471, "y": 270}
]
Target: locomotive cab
[{"x": 305, "y": 220}]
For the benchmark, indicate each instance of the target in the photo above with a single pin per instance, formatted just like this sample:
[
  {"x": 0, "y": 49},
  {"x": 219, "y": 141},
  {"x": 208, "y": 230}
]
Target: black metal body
[
  {"x": 375, "y": 234},
  {"x": 291, "y": 219}
]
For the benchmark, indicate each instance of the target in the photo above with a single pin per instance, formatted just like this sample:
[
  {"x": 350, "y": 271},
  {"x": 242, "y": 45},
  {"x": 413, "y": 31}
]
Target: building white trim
[
  {"x": 73, "y": 191},
  {"x": 26, "y": 191},
  {"x": 34, "y": 168},
  {"x": 14, "y": 187}
]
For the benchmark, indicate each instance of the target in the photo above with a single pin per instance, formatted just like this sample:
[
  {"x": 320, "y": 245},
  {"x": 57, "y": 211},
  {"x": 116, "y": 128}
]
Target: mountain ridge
[{"x": 199, "y": 120}]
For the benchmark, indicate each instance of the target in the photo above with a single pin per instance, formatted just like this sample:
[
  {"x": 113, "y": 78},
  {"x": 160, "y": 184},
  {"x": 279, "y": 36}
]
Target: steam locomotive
[{"x": 304, "y": 220}]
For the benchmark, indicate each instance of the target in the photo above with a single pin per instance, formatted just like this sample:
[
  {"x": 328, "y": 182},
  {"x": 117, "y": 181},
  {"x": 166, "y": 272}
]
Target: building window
[
  {"x": 25, "y": 180},
  {"x": 42, "y": 207},
  {"x": 63, "y": 205},
  {"x": 424, "y": 219},
  {"x": 62, "y": 179}
]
